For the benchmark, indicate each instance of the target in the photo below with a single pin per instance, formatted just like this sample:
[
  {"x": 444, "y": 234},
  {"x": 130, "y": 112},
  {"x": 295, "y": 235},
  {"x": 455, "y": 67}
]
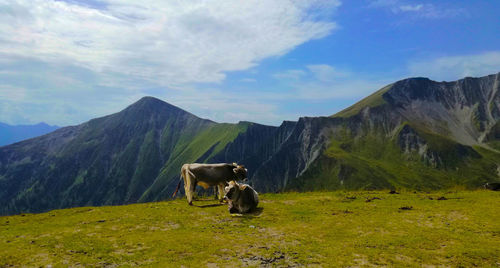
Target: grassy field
[{"x": 293, "y": 229}]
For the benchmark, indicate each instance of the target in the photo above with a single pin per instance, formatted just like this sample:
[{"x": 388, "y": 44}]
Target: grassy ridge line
[
  {"x": 373, "y": 100},
  {"x": 326, "y": 228}
]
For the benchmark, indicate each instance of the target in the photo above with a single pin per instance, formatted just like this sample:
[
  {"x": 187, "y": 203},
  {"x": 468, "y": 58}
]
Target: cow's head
[
  {"x": 240, "y": 171},
  {"x": 231, "y": 190}
]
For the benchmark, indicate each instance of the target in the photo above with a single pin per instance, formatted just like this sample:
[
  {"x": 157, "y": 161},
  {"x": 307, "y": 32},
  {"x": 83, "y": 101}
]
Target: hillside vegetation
[
  {"x": 411, "y": 229},
  {"x": 415, "y": 134}
]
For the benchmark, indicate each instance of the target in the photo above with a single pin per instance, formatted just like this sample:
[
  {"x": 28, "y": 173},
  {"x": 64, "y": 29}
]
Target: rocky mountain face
[
  {"x": 415, "y": 133},
  {"x": 10, "y": 134},
  {"x": 465, "y": 110}
]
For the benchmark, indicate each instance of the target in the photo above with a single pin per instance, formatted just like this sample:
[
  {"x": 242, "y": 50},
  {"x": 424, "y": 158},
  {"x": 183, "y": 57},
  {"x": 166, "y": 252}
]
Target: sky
[{"x": 66, "y": 62}]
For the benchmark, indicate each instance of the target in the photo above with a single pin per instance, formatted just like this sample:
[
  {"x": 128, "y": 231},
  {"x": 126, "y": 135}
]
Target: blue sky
[{"x": 65, "y": 62}]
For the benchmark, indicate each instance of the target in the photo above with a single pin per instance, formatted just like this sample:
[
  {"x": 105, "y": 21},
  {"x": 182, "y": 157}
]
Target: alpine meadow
[{"x": 215, "y": 133}]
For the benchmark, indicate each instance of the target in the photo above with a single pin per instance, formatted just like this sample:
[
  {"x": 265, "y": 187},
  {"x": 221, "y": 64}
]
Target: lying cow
[
  {"x": 241, "y": 197},
  {"x": 494, "y": 186},
  {"x": 207, "y": 175}
]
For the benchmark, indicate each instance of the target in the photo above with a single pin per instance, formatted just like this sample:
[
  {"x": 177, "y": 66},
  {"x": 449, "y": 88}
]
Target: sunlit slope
[
  {"x": 323, "y": 228},
  {"x": 196, "y": 149}
]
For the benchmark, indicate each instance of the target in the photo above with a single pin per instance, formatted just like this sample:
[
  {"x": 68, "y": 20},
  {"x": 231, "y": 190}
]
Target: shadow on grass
[
  {"x": 209, "y": 205},
  {"x": 255, "y": 213}
]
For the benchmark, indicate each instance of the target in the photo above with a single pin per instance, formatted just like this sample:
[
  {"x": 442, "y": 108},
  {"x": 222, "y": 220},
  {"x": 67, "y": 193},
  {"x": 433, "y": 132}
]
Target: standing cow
[{"x": 207, "y": 175}]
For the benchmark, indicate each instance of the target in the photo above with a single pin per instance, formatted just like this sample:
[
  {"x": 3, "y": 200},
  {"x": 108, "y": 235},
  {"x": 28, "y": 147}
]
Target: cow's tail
[{"x": 178, "y": 186}]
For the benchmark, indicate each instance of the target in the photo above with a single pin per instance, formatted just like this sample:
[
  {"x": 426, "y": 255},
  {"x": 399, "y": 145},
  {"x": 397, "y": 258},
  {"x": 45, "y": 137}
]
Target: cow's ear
[{"x": 246, "y": 170}]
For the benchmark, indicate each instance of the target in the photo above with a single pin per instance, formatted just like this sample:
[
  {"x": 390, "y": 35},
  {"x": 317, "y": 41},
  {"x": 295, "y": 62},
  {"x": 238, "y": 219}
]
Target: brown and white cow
[{"x": 207, "y": 175}]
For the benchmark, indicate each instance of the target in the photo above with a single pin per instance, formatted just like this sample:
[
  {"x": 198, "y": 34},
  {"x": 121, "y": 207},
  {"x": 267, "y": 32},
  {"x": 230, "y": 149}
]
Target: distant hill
[
  {"x": 414, "y": 133},
  {"x": 10, "y": 134}
]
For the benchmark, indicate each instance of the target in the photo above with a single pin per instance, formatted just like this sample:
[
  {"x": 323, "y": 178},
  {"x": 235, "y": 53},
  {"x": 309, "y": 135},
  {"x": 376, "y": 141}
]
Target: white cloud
[
  {"x": 406, "y": 8},
  {"x": 248, "y": 80},
  {"x": 169, "y": 42},
  {"x": 419, "y": 10},
  {"x": 325, "y": 72},
  {"x": 382, "y": 3},
  {"x": 322, "y": 82},
  {"x": 64, "y": 62},
  {"x": 290, "y": 74},
  {"x": 11, "y": 93},
  {"x": 457, "y": 67}
]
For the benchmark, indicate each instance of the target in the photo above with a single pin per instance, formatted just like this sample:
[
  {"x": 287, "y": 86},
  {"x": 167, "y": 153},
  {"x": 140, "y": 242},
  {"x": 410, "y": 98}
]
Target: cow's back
[
  {"x": 249, "y": 199},
  {"x": 212, "y": 173}
]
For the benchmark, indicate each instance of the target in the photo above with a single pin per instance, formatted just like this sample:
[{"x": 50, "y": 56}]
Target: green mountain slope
[
  {"x": 204, "y": 145},
  {"x": 362, "y": 164},
  {"x": 122, "y": 158},
  {"x": 374, "y": 100},
  {"x": 415, "y": 133}
]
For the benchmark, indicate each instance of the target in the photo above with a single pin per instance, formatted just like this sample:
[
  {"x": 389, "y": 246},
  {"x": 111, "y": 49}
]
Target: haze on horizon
[{"x": 65, "y": 62}]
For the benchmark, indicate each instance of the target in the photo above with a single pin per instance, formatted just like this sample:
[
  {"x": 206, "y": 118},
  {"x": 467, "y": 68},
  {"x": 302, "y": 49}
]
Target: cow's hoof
[{"x": 190, "y": 203}]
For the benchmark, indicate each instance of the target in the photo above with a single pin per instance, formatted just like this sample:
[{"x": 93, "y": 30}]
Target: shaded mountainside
[
  {"x": 415, "y": 133},
  {"x": 106, "y": 161},
  {"x": 11, "y": 134}
]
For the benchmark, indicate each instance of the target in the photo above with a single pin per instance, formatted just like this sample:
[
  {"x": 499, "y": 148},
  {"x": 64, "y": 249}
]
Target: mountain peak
[
  {"x": 150, "y": 101},
  {"x": 406, "y": 91},
  {"x": 148, "y": 105}
]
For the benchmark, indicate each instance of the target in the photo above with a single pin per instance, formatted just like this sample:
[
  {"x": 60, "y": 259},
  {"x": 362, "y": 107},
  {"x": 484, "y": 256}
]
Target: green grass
[
  {"x": 322, "y": 228},
  {"x": 360, "y": 163},
  {"x": 371, "y": 101}
]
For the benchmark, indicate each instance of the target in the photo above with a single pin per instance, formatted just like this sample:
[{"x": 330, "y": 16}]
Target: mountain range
[
  {"x": 415, "y": 133},
  {"x": 10, "y": 134}
]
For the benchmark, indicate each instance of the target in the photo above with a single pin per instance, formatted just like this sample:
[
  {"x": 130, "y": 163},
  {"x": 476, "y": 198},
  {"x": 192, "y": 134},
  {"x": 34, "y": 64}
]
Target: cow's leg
[
  {"x": 188, "y": 187},
  {"x": 221, "y": 192},
  {"x": 216, "y": 194}
]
